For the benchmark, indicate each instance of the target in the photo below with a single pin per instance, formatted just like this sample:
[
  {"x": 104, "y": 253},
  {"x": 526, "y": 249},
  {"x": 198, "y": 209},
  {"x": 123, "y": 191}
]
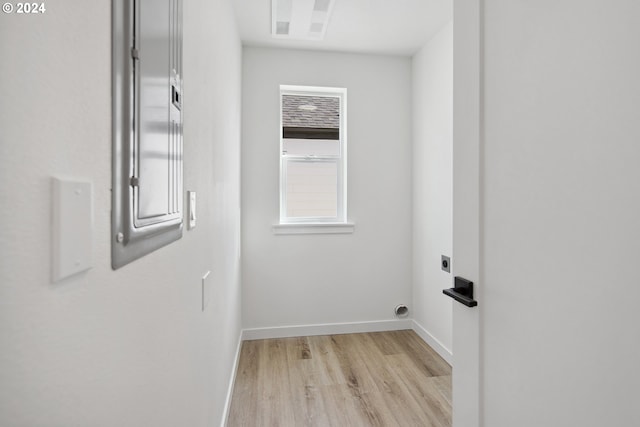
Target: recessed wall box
[{"x": 445, "y": 263}]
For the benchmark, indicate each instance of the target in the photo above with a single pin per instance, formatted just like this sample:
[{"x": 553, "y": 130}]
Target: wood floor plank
[
  {"x": 386, "y": 343},
  {"x": 353, "y": 366},
  {"x": 306, "y": 397},
  {"x": 424, "y": 356},
  {"x": 342, "y": 408},
  {"x": 361, "y": 383},
  {"x": 376, "y": 379},
  {"x": 400, "y": 401},
  {"x": 273, "y": 386},
  {"x": 298, "y": 348},
  {"x": 424, "y": 389},
  {"x": 245, "y": 399},
  {"x": 326, "y": 362},
  {"x": 443, "y": 385}
]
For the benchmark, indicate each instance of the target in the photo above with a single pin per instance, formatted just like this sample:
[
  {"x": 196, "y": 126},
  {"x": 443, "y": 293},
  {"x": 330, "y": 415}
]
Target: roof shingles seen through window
[{"x": 326, "y": 115}]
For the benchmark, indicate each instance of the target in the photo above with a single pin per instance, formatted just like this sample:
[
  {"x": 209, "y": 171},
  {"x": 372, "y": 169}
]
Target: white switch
[
  {"x": 192, "y": 209},
  {"x": 206, "y": 290},
  {"x": 72, "y": 227}
]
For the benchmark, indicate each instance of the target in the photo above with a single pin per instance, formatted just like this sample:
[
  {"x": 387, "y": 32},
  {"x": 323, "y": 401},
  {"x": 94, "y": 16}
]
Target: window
[{"x": 312, "y": 155}]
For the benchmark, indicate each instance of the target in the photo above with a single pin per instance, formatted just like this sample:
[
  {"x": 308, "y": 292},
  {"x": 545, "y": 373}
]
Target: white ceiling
[{"x": 397, "y": 27}]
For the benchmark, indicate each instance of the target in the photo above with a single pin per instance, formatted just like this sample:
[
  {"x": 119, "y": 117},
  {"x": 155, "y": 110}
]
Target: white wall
[
  {"x": 314, "y": 279},
  {"x": 561, "y": 244},
  {"x": 432, "y": 79},
  {"x": 114, "y": 348}
]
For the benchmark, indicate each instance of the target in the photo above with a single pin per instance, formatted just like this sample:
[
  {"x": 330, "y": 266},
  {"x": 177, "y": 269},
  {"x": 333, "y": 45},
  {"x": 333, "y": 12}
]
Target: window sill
[{"x": 315, "y": 228}]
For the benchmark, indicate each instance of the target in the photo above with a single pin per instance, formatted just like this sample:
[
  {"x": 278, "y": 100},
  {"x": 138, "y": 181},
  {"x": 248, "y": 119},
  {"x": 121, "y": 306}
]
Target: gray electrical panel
[{"x": 147, "y": 196}]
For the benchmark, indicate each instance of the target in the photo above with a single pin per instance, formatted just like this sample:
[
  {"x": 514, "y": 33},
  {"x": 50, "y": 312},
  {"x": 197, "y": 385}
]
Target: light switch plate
[
  {"x": 191, "y": 195},
  {"x": 72, "y": 227},
  {"x": 206, "y": 291}
]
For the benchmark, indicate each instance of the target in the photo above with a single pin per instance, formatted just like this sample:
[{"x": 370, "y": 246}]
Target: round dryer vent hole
[{"x": 402, "y": 310}]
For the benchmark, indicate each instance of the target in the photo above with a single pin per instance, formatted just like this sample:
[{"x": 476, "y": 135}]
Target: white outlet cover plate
[{"x": 72, "y": 227}]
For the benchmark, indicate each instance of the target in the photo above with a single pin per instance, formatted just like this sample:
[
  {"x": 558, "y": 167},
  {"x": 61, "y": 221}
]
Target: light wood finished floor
[{"x": 371, "y": 379}]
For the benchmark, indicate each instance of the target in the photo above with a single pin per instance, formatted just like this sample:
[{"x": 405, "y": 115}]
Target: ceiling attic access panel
[{"x": 147, "y": 187}]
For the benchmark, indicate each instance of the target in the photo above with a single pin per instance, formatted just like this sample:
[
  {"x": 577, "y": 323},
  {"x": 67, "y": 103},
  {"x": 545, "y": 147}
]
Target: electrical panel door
[{"x": 147, "y": 126}]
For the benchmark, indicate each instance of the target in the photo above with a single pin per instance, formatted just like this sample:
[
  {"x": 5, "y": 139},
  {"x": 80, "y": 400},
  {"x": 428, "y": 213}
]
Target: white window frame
[{"x": 320, "y": 222}]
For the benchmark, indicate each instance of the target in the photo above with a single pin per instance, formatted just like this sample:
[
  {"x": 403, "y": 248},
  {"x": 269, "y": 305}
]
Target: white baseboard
[
  {"x": 326, "y": 329},
  {"x": 433, "y": 342},
  {"x": 232, "y": 382}
]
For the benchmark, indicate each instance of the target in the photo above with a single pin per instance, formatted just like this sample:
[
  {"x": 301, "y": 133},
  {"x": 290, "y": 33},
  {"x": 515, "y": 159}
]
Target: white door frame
[{"x": 467, "y": 196}]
